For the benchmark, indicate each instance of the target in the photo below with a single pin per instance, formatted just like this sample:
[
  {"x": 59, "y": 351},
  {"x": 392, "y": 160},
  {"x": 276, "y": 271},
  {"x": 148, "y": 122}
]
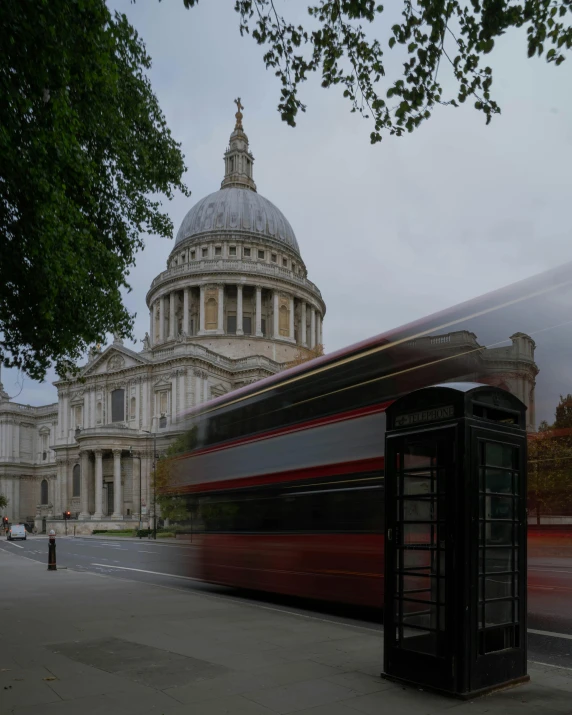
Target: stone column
[
  {"x": 63, "y": 482},
  {"x": 319, "y": 329},
  {"x": 303, "y": 324},
  {"x": 172, "y": 315},
  {"x": 151, "y": 324},
  {"x": 186, "y": 311},
  {"x": 144, "y": 403},
  {"x": 239, "y": 330},
  {"x": 84, "y": 457},
  {"x": 258, "y": 311},
  {"x": 312, "y": 327},
  {"x": 69, "y": 484},
  {"x": 136, "y": 476},
  {"x": 174, "y": 406},
  {"x": 54, "y": 488},
  {"x": 7, "y": 491},
  {"x": 182, "y": 401},
  {"x": 16, "y": 499},
  {"x": 66, "y": 416},
  {"x": 220, "y": 322},
  {"x": 275, "y": 330},
  {"x": 98, "y": 513},
  {"x": 291, "y": 317},
  {"x": 93, "y": 401},
  {"x": 145, "y": 462},
  {"x": 202, "y": 312},
  {"x": 161, "y": 318},
  {"x": 16, "y": 441},
  {"x": 117, "y": 490}
]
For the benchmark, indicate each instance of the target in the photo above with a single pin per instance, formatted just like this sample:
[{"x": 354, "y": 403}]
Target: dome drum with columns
[{"x": 233, "y": 306}]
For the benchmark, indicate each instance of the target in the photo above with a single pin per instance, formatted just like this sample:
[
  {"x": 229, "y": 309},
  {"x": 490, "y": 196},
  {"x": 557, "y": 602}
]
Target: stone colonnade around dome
[{"x": 237, "y": 309}]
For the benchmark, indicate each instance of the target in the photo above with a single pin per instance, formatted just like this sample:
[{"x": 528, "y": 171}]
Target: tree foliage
[
  {"x": 84, "y": 152},
  {"x": 4, "y": 501},
  {"x": 174, "y": 508},
  {"x": 550, "y": 463},
  {"x": 306, "y": 355},
  {"x": 563, "y": 414},
  {"x": 342, "y": 48}
]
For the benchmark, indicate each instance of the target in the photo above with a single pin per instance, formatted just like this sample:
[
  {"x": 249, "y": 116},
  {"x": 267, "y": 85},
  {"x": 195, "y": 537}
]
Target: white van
[{"x": 17, "y": 531}]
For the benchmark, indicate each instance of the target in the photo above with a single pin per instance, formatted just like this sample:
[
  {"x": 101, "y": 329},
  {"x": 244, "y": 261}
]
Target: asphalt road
[{"x": 167, "y": 564}]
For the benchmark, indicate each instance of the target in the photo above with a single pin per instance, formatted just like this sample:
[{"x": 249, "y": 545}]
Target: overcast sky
[{"x": 391, "y": 232}]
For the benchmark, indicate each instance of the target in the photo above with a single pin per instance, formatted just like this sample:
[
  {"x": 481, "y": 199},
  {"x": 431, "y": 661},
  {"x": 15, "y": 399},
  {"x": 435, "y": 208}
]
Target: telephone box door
[{"x": 420, "y": 490}]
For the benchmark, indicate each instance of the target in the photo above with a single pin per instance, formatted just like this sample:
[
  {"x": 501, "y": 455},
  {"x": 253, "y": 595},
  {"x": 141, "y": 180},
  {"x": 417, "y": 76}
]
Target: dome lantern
[{"x": 238, "y": 160}]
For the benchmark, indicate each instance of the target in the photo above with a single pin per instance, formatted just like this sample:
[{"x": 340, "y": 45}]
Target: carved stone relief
[{"x": 115, "y": 362}]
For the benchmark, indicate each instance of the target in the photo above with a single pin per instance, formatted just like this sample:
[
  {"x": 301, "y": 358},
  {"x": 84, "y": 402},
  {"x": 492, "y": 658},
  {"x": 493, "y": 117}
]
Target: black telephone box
[{"x": 455, "y": 543}]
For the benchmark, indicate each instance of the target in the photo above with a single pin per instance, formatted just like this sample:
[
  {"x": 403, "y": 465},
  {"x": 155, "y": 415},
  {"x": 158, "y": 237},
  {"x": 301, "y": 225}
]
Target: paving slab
[
  {"x": 77, "y": 642},
  {"x": 297, "y": 696},
  {"x": 234, "y": 683}
]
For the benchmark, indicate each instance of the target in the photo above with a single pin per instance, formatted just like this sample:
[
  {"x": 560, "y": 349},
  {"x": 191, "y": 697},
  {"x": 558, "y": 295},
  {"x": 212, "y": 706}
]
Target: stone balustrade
[{"x": 226, "y": 265}]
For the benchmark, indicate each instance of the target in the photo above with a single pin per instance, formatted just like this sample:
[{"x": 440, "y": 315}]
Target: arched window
[
  {"x": 76, "y": 488},
  {"x": 44, "y": 491},
  {"x": 118, "y": 405},
  {"x": 133, "y": 406},
  {"x": 99, "y": 413}
]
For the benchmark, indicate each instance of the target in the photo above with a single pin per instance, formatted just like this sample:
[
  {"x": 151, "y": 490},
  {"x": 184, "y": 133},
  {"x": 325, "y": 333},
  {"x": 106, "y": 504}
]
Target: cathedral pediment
[{"x": 113, "y": 359}]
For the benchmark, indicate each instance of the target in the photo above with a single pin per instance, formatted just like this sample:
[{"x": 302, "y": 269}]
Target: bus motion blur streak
[{"x": 284, "y": 487}]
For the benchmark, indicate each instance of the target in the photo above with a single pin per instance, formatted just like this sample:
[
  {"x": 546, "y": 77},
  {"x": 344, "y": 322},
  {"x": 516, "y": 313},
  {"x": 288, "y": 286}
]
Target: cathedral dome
[
  {"x": 236, "y": 286},
  {"x": 237, "y": 209}
]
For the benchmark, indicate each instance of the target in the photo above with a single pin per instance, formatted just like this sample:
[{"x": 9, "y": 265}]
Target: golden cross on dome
[{"x": 238, "y": 115}]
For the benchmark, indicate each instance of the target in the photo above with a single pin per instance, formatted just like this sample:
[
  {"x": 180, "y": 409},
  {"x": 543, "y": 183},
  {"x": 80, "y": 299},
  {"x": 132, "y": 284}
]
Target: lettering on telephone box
[{"x": 415, "y": 418}]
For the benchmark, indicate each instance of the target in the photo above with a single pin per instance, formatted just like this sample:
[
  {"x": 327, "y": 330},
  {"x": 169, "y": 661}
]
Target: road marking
[
  {"x": 142, "y": 551},
  {"x": 551, "y": 634},
  {"x": 154, "y": 573},
  {"x": 18, "y": 546},
  {"x": 550, "y": 665}
]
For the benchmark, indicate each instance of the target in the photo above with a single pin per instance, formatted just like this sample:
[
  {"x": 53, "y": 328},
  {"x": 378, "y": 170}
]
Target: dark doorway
[{"x": 110, "y": 498}]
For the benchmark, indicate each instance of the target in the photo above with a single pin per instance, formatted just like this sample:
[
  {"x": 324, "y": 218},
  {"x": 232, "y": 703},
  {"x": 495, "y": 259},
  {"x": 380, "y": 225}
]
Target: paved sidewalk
[{"x": 81, "y": 643}]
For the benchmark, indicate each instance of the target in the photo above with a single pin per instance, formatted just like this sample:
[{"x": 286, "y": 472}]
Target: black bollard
[{"x": 52, "y": 551}]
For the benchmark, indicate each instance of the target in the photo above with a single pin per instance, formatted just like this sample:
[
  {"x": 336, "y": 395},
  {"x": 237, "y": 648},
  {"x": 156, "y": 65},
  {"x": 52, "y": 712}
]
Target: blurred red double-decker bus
[{"x": 282, "y": 487}]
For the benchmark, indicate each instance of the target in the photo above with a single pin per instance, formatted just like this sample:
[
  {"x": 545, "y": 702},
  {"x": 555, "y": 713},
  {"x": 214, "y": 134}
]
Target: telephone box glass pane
[
  {"x": 498, "y": 480},
  {"x": 498, "y": 560},
  {"x": 499, "y": 455},
  {"x": 420, "y": 586},
  {"x": 499, "y": 586},
  {"x": 498, "y": 613}
]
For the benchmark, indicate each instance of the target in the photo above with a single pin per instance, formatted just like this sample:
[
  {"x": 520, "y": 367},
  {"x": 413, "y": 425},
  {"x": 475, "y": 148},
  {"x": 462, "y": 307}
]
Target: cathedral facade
[{"x": 234, "y": 305}]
